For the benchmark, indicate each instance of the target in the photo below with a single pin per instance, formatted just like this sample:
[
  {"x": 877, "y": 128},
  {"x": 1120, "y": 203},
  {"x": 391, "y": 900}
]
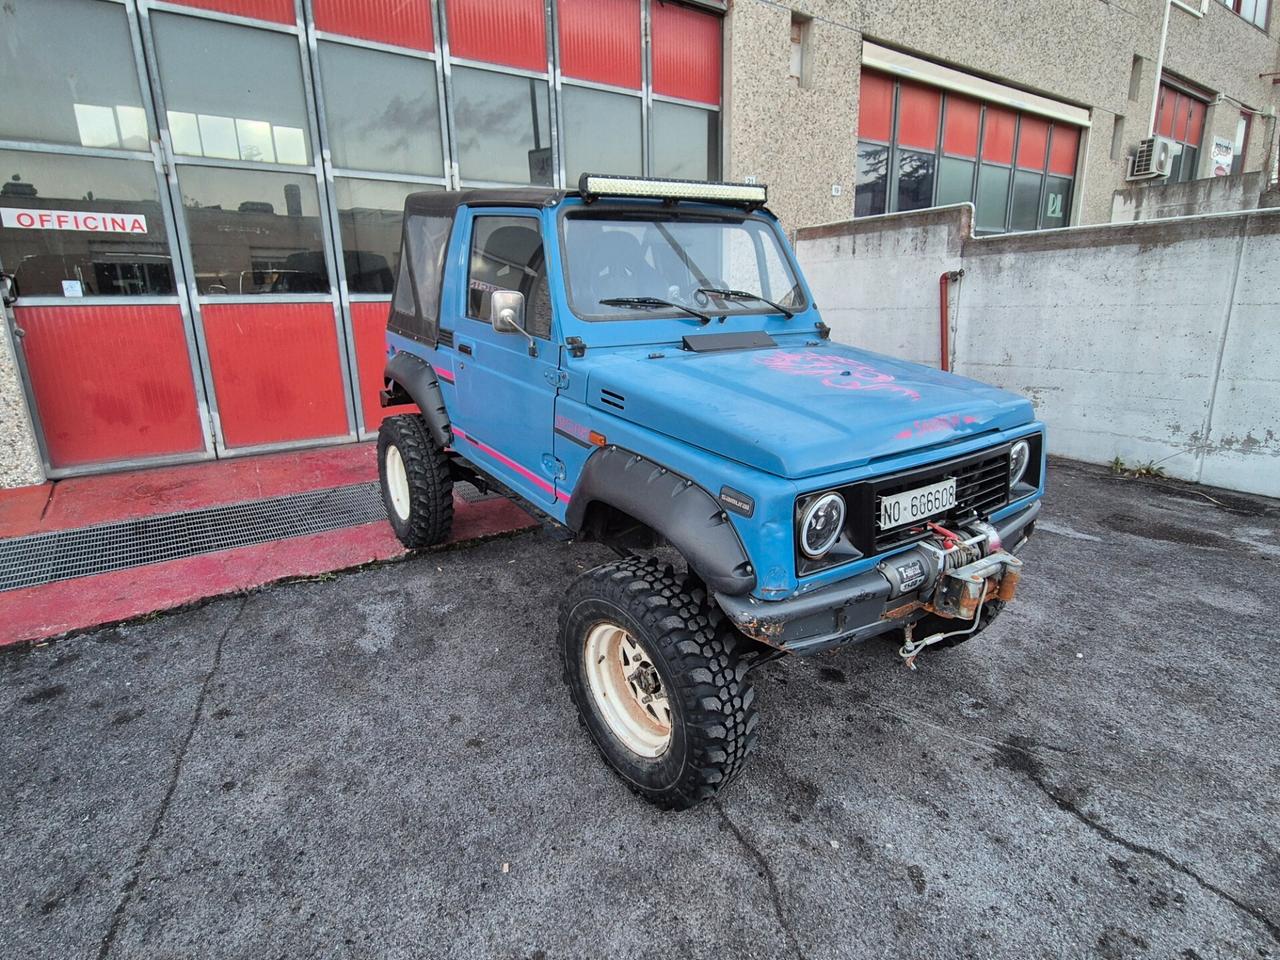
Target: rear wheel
[
  {"x": 417, "y": 489},
  {"x": 664, "y": 694}
]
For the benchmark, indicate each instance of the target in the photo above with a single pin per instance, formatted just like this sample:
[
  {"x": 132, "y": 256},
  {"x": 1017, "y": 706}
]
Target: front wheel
[
  {"x": 663, "y": 692},
  {"x": 417, "y": 489}
]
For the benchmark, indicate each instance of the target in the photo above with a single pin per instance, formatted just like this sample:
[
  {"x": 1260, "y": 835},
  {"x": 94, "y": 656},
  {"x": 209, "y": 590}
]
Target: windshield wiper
[
  {"x": 724, "y": 294},
  {"x": 652, "y": 303}
]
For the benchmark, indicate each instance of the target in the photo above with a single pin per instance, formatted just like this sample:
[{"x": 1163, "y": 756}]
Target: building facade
[
  {"x": 200, "y": 199},
  {"x": 1029, "y": 110}
]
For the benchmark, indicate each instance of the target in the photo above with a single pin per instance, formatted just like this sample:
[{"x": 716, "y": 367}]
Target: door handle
[{"x": 464, "y": 348}]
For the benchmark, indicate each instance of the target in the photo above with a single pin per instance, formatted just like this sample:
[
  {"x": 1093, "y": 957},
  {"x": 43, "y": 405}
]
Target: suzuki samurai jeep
[{"x": 640, "y": 362}]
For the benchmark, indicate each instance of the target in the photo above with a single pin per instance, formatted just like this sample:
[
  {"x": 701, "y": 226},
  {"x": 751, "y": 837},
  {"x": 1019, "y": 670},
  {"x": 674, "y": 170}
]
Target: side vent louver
[
  {"x": 615, "y": 400},
  {"x": 445, "y": 338}
]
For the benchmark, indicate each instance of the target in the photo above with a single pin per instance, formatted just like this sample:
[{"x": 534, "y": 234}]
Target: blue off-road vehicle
[{"x": 641, "y": 362}]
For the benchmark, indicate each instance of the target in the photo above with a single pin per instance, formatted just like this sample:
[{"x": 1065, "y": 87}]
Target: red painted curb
[{"x": 38, "y": 613}]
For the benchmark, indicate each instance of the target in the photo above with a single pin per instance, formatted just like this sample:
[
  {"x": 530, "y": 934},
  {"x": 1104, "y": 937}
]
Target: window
[
  {"x": 68, "y": 75},
  {"x": 369, "y": 220},
  {"x": 1255, "y": 11},
  {"x": 381, "y": 110},
  {"x": 253, "y": 232},
  {"x": 502, "y": 128},
  {"x": 919, "y": 147},
  {"x": 684, "y": 142},
  {"x": 231, "y": 92},
  {"x": 426, "y": 240},
  {"x": 800, "y": 28},
  {"x": 506, "y": 254},
  {"x": 1180, "y": 117},
  {"x": 601, "y": 132},
  {"x": 82, "y": 226}
]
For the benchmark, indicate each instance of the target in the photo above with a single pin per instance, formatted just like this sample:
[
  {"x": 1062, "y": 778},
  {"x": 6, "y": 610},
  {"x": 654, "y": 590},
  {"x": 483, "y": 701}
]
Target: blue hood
[{"x": 796, "y": 411}]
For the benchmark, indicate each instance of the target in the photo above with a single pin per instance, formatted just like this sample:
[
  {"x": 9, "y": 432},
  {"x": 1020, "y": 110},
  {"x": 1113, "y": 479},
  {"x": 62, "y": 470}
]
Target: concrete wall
[
  {"x": 19, "y": 458},
  {"x": 1153, "y": 341},
  {"x": 802, "y": 141},
  {"x": 1191, "y": 198}
]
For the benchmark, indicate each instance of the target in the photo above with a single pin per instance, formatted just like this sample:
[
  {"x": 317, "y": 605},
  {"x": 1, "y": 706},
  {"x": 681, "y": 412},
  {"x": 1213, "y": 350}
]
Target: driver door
[{"x": 507, "y": 396}]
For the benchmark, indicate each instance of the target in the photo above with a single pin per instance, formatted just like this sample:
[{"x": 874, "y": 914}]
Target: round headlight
[
  {"x": 1019, "y": 460},
  {"x": 821, "y": 524}
]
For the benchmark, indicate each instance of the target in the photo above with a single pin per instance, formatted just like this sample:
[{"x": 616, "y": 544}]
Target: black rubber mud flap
[
  {"x": 419, "y": 380},
  {"x": 683, "y": 512}
]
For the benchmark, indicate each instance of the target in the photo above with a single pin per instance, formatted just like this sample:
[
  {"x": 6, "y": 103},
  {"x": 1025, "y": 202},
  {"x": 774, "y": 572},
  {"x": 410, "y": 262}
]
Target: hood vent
[{"x": 615, "y": 400}]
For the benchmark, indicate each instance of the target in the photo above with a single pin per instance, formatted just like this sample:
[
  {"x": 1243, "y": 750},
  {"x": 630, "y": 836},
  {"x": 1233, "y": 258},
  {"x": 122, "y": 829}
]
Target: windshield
[{"x": 675, "y": 263}]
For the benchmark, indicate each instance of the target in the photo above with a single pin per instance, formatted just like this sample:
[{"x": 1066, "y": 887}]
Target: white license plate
[{"x": 916, "y": 505}]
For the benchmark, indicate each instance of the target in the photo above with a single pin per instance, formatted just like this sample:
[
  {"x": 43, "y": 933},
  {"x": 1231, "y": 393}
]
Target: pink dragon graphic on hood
[{"x": 838, "y": 373}]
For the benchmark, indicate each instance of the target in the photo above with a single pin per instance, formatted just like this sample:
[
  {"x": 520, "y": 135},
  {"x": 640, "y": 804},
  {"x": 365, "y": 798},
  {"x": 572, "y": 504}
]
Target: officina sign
[{"x": 82, "y": 220}]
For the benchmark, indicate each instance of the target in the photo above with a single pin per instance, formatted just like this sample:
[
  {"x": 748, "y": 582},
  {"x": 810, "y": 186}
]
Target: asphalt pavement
[{"x": 386, "y": 764}]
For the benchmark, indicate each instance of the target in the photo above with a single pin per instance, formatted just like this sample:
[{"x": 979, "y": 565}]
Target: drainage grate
[{"x": 66, "y": 554}]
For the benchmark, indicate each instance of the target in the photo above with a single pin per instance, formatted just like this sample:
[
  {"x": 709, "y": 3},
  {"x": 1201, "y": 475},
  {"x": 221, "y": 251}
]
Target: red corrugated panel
[
  {"x": 281, "y": 11},
  {"x": 1195, "y": 122},
  {"x": 997, "y": 138},
  {"x": 1063, "y": 150},
  {"x": 875, "y": 107},
  {"x": 1181, "y": 114},
  {"x": 405, "y": 23},
  {"x": 1165, "y": 112},
  {"x": 510, "y": 32},
  {"x": 918, "y": 109},
  {"x": 960, "y": 128},
  {"x": 277, "y": 371},
  {"x": 111, "y": 383},
  {"x": 369, "y": 324},
  {"x": 686, "y": 52},
  {"x": 600, "y": 41},
  {"x": 1033, "y": 140}
]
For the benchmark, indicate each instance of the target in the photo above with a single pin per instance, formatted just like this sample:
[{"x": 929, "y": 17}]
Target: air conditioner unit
[{"x": 1153, "y": 159}]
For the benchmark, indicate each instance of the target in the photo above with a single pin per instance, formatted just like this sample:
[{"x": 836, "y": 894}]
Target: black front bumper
[{"x": 845, "y": 612}]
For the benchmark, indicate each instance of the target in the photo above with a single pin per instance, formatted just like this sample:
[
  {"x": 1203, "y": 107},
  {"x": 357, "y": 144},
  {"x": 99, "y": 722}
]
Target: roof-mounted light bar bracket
[{"x": 593, "y": 186}]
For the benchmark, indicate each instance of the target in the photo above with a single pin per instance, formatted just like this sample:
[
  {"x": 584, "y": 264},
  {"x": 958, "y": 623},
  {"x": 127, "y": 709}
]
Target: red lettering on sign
[
  {"x": 137, "y": 225},
  {"x": 26, "y": 220}
]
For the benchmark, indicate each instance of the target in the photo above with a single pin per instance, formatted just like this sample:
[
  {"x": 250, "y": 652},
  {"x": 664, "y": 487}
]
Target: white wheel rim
[
  {"x": 397, "y": 482},
  {"x": 628, "y": 690}
]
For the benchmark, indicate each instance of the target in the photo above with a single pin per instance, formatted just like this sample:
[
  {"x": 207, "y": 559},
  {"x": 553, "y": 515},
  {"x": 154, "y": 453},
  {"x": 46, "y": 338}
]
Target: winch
[{"x": 954, "y": 575}]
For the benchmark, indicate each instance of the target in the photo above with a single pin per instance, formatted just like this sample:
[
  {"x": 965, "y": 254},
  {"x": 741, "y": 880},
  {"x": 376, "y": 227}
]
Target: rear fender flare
[
  {"x": 418, "y": 379},
  {"x": 677, "y": 508}
]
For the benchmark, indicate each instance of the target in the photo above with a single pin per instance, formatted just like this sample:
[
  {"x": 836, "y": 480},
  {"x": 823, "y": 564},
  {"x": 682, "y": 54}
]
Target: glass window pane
[
  {"x": 428, "y": 239},
  {"x": 915, "y": 180},
  {"x": 993, "y": 197},
  {"x": 243, "y": 87},
  {"x": 955, "y": 181},
  {"x": 1057, "y": 202},
  {"x": 601, "y": 132},
  {"x": 370, "y": 213},
  {"x": 506, "y": 254},
  {"x": 68, "y": 75},
  {"x": 381, "y": 110},
  {"x": 871, "y": 194},
  {"x": 253, "y": 232},
  {"x": 82, "y": 226},
  {"x": 501, "y": 125},
  {"x": 684, "y": 142},
  {"x": 1026, "y": 200}
]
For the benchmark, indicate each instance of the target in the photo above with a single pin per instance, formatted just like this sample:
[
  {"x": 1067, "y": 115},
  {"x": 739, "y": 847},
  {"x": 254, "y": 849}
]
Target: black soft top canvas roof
[{"x": 439, "y": 203}]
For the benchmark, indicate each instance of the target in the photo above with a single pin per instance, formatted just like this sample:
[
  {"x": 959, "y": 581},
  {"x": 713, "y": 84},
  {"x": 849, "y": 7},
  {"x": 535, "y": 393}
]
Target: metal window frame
[
  {"x": 156, "y": 158},
  {"x": 314, "y": 170}
]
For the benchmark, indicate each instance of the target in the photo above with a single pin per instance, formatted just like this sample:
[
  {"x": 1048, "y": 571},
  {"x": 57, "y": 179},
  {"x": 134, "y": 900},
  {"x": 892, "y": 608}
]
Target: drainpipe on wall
[
  {"x": 1164, "y": 40},
  {"x": 944, "y": 320}
]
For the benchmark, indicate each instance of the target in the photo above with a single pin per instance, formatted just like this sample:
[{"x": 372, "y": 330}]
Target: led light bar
[{"x": 593, "y": 185}]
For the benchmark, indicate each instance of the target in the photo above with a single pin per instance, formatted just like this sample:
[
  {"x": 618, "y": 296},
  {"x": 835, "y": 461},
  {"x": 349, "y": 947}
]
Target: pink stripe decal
[
  {"x": 502, "y": 457},
  {"x": 445, "y": 375}
]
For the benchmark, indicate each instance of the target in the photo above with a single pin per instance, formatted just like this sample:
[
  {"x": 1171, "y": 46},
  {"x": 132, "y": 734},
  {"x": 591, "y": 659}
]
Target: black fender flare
[
  {"x": 418, "y": 379},
  {"x": 681, "y": 511}
]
